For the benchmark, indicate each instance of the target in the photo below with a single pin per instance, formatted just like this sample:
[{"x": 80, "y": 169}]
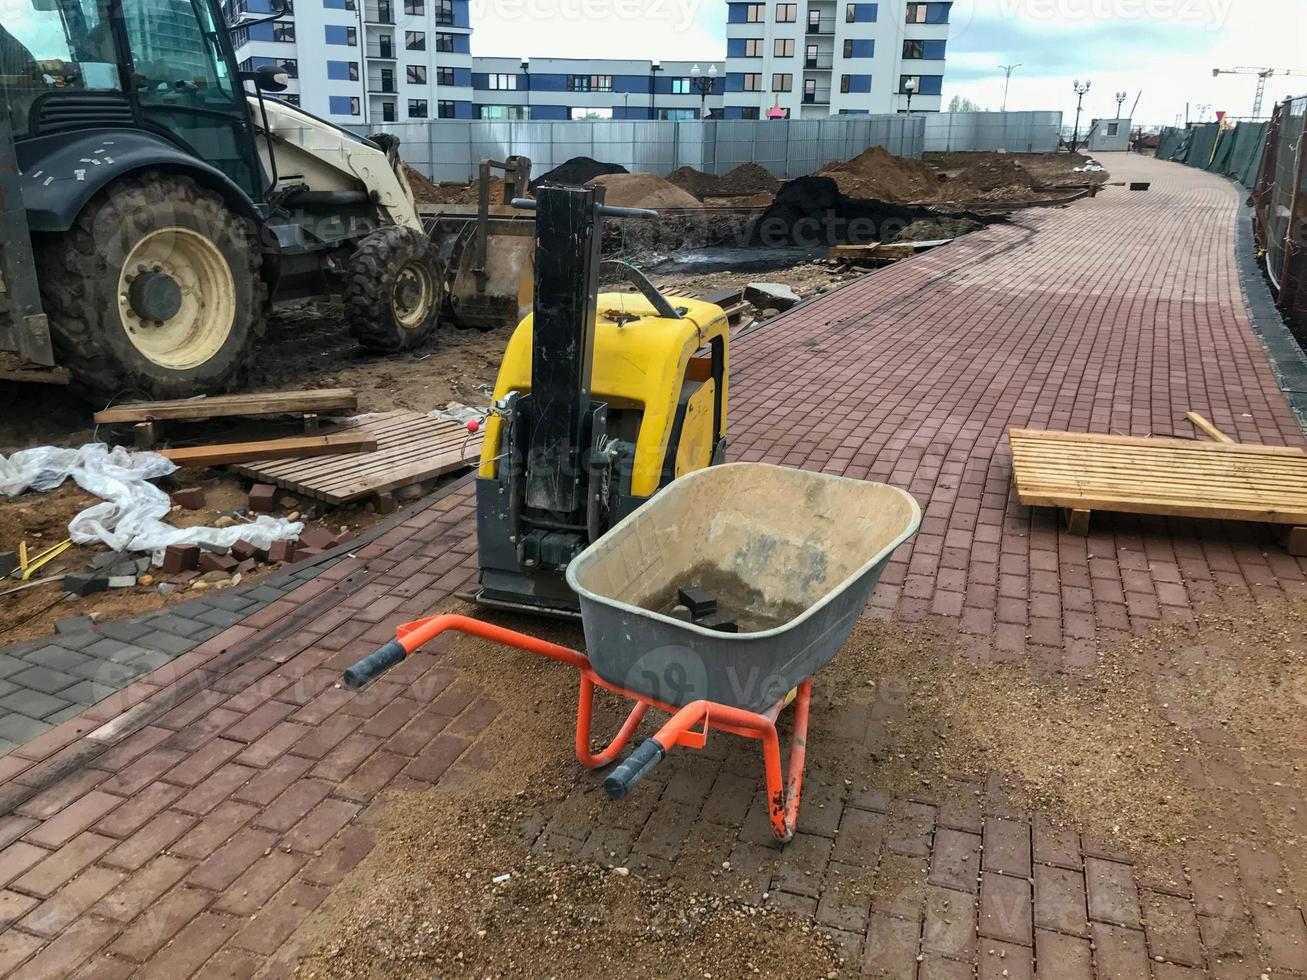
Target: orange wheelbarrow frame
[{"x": 688, "y": 725}]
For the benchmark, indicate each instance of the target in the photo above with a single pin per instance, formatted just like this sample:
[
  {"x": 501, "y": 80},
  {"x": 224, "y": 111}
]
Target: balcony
[
  {"x": 820, "y": 26},
  {"x": 819, "y": 97},
  {"x": 378, "y": 13},
  {"x": 381, "y": 86},
  {"x": 820, "y": 63},
  {"x": 383, "y": 51}
]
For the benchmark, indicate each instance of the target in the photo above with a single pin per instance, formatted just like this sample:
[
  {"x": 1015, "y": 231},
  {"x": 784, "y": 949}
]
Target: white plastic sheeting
[{"x": 131, "y": 517}]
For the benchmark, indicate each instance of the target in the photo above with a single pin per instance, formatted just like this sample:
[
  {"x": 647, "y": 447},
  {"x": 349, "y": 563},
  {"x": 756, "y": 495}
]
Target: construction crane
[{"x": 1262, "y": 75}]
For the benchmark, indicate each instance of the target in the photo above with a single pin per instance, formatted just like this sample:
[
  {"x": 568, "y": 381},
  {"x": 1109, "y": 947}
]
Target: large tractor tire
[
  {"x": 155, "y": 290},
  {"x": 393, "y": 290}
]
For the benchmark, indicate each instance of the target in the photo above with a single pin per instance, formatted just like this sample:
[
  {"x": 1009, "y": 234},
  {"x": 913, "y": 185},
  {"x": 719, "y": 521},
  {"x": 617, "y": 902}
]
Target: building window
[
  {"x": 337, "y": 5},
  {"x": 783, "y": 48},
  {"x": 501, "y": 112},
  {"x": 917, "y": 13},
  {"x": 288, "y": 98},
  {"x": 752, "y": 81},
  {"x": 415, "y": 40},
  {"x": 848, "y": 48},
  {"x": 343, "y": 71},
  {"x": 385, "y": 81},
  {"x": 444, "y": 42},
  {"x": 680, "y": 86},
  {"x": 415, "y": 8},
  {"x": 289, "y": 65},
  {"x": 343, "y": 105},
  {"x": 916, "y": 84},
  {"x": 388, "y": 112},
  {"x": 756, "y": 13},
  {"x": 787, "y": 13},
  {"x": 385, "y": 46},
  {"x": 286, "y": 33},
  {"x": 445, "y": 109},
  {"x": 589, "y": 83},
  {"x": 445, "y": 12},
  {"x": 444, "y": 76},
  {"x": 782, "y": 82},
  {"x": 416, "y": 74},
  {"x": 679, "y": 115},
  {"x": 1113, "y": 128},
  {"x": 501, "y": 82},
  {"x": 753, "y": 47},
  {"x": 749, "y": 112},
  {"x": 342, "y": 35},
  {"x": 913, "y": 50},
  {"x": 589, "y": 112},
  {"x": 417, "y": 108},
  {"x": 845, "y": 81}
]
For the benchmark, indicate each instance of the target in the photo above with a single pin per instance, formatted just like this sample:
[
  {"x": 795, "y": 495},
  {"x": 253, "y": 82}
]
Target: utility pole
[
  {"x": 1008, "y": 70},
  {"x": 1080, "y": 91}
]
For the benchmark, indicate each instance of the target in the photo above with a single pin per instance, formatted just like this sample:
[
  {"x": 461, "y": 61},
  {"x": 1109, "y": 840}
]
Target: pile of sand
[
  {"x": 642, "y": 191},
  {"x": 989, "y": 174},
  {"x": 877, "y": 174},
  {"x": 693, "y": 181}
]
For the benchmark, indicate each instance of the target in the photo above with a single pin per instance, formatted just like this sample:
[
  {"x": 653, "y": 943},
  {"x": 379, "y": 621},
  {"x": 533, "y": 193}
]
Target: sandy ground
[{"x": 1117, "y": 753}]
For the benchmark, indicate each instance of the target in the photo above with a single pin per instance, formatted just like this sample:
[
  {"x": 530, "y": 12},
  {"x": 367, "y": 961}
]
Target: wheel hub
[{"x": 155, "y": 296}]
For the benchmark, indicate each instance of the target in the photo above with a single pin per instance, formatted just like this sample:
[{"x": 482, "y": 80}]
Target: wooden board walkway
[
  {"x": 411, "y": 448},
  {"x": 1082, "y": 473}
]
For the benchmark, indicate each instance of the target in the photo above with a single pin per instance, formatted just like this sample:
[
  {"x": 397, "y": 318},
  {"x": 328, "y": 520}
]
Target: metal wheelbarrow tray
[{"x": 792, "y": 555}]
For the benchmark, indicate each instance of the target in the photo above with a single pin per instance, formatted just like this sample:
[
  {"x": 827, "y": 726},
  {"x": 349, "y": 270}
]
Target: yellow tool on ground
[
  {"x": 602, "y": 399},
  {"x": 26, "y": 566}
]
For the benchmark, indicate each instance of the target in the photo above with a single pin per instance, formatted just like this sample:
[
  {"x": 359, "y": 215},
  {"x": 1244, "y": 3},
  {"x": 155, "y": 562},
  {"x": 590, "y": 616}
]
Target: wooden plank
[
  {"x": 1077, "y": 522},
  {"x": 1295, "y": 541},
  {"x": 1156, "y": 442},
  {"x": 1206, "y": 428},
  {"x": 224, "y": 406},
  {"x": 412, "y": 448},
  {"x": 244, "y": 452}
]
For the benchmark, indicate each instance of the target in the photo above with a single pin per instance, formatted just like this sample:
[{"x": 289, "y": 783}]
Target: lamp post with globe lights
[
  {"x": 1080, "y": 89},
  {"x": 704, "y": 85}
]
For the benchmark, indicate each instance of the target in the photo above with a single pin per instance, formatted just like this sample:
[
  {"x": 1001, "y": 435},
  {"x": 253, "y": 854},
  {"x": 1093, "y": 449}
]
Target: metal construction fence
[
  {"x": 1280, "y": 201},
  {"x": 452, "y": 149},
  {"x": 1233, "y": 151},
  {"x": 1016, "y": 132}
]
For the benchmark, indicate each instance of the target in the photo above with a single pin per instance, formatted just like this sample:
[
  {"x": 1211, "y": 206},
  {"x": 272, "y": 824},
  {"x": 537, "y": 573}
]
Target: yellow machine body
[{"x": 643, "y": 366}]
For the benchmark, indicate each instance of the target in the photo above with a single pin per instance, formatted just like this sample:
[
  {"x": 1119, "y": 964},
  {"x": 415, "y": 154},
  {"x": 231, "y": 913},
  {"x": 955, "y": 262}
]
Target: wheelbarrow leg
[
  {"x": 783, "y": 800},
  {"x": 584, "y": 711}
]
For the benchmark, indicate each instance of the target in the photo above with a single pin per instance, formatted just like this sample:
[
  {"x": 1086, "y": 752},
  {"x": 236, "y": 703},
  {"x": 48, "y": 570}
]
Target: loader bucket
[{"x": 498, "y": 292}]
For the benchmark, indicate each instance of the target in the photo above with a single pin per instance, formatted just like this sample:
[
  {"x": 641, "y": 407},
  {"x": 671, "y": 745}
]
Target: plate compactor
[{"x": 601, "y": 400}]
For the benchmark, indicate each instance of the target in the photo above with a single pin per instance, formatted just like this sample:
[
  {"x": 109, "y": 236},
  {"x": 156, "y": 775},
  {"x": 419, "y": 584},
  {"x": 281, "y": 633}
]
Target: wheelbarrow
[{"x": 789, "y": 558}]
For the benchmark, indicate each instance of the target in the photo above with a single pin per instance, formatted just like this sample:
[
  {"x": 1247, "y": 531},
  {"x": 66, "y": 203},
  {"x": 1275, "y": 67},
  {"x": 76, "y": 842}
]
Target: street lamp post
[
  {"x": 1007, "y": 70},
  {"x": 654, "y": 68},
  {"x": 1080, "y": 91},
  {"x": 909, "y": 87},
  {"x": 704, "y": 85},
  {"x": 526, "y": 77},
  {"x": 1120, "y": 100}
]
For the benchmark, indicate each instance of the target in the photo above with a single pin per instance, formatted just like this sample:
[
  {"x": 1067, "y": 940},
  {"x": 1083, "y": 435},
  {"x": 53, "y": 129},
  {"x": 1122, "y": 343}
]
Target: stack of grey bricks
[{"x": 44, "y": 682}]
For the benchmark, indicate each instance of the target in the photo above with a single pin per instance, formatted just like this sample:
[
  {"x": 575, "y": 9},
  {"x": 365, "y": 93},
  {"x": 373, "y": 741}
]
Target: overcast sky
[{"x": 1164, "y": 48}]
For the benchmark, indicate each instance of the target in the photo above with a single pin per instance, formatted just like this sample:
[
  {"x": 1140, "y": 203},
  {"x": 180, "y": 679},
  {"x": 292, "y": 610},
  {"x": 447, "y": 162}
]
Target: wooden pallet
[
  {"x": 411, "y": 448},
  {"x": 1081, "y": 473}
]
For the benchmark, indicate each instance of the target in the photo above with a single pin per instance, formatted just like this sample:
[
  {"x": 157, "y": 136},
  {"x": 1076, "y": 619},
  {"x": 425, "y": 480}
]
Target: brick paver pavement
[{"x": 190, "y": 821}]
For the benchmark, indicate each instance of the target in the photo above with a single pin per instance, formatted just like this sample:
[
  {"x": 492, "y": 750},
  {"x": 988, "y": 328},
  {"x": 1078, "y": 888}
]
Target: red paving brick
[{"x": 199, "y": 841}]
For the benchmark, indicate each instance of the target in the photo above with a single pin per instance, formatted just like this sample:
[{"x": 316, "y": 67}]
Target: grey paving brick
[
  {"x": 74, "y": 624},
  {"x": 7, "y": 746},
  {"x": 168, "y": 643},
  {"x": 177, "y": 624},
  {"x": 6, "y": 687},
  {"x": 282, "y": 582},
  {"x": 264, "y": 594},
  {"x": 208, "y": 633},
  {"x": 115, "y": 650},
  {"x": 220, "y": 617},
  {"x": 106, "y": 672},
  {"x": 19, "y": 728},
  {"x": 10, "y": 665},
  {"x": 152, "y": 659},
  {"x": 34, "y": 704},
  {"x": 79, "y": 641},
  {"x": 57, "y": 658},
  {"x": 231, "y": 601},
  {"x": 126, "y": 630},
  {"x": 87, "y": 693},
  {"x": 43, "y": 679},
  {"x": 59, "y": 717}
]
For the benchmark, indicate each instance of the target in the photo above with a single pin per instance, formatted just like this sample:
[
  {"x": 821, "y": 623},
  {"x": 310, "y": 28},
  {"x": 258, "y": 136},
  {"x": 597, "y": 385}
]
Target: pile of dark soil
[
  {"x": 745, "y": 180},
  {"x": 991, "y": 173},
  {"x": 426, "y": 192},
  {"x": 578, "y": 171},
  {"x": 811, "y": 211},
  {"x": 937, "y": 229},
  {"x": 693, "y": 181}
]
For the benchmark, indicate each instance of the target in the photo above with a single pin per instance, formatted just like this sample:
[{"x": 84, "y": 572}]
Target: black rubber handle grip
[
  {"x": 374, "y": 664},
  {"x": 607, "y": 210},
  {"x": 633, "y": 768}
]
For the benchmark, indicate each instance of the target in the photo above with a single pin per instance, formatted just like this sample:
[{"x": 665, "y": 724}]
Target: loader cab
[{"x": 162, "y": 66}]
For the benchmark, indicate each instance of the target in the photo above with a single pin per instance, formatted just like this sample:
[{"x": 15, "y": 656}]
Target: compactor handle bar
[{"x": 608, "y": 211}]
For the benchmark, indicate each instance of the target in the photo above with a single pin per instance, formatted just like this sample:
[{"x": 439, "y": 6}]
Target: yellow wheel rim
[
  {"x": 412, "y": 295},
  {"x": 207, "y": 311}
]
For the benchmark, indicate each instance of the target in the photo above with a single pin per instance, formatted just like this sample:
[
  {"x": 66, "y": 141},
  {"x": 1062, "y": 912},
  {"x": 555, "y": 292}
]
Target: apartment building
[
  {"x": 815, "y": 58},
  {"x": 365, "y": 61},
  {"x": 593, "y": 88}
]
